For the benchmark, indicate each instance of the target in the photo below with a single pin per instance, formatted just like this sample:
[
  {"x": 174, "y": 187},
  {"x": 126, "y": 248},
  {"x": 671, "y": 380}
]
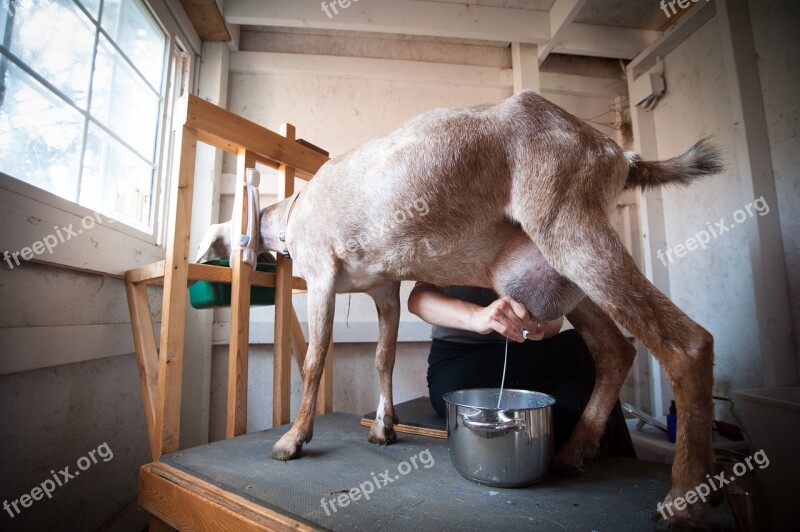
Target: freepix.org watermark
[
  {"x": 683, "y": 4},
  {"x": 51, "y": 241},
  {"x": 702, "y": 238},
  {"x": 418, "y": 207},
  {"x": 63, "y": 476},
  {"x": 327, "y": 7},
  {"x": 701, "y": 492},
  {"x": 367, "y": 488}
]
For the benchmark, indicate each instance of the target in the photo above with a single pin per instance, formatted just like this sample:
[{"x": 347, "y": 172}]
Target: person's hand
[{"x": 508, "y": 317}]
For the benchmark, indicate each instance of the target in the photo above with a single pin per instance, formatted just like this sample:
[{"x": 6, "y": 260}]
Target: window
[{"x": 82, "y": 102}]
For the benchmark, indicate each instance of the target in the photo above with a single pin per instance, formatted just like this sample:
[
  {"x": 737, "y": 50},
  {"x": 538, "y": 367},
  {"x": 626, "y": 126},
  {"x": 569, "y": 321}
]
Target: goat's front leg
[
  {"x": 387, "y": 301},
  {"x": 613, "y": 355},
  {"x": 321, "y": 302}
]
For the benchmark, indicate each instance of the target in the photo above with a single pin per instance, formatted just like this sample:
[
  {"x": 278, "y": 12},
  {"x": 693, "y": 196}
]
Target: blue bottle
[{"x": 672, "y": 422}]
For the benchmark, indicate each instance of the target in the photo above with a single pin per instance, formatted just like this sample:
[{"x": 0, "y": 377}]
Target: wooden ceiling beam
[
  {"x": 409, "y": 17},
  {"x": 207, "y": 20}
]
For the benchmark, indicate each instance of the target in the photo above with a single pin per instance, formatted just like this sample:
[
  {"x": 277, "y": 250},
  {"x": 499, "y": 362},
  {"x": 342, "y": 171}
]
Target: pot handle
[{"x": 493, "y": 426}]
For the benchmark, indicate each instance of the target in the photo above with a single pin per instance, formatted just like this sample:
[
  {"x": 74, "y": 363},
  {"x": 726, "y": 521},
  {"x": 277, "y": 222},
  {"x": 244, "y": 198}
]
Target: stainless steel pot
[{"x": 507, "y": 447}]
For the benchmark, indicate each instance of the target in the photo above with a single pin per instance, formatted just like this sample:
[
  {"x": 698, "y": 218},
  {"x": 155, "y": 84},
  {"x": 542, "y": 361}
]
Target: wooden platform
[
  {"x": 417, "y": 416},
  {"x": 234, "y": 486}
]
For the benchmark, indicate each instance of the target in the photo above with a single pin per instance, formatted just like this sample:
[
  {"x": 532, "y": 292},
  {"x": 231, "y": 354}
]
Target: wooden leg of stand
[
  {"x": 144, "y": 341},
  {"x": 173, "y": 319},
  {"x": 282, "y": 361},
  {"x": 239, "y": 348}
]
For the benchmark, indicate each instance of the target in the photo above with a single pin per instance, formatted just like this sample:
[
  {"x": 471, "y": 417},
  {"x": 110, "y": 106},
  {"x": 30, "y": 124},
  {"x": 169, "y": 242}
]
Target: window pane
[
  {"x": 112, "y": 109},
  {"x": 123, "y": 102},
  {"x": 132, "y": 27},
  {"x": 55, "y": 39},
  {"x": 115, "y": 181},
  {"x": 92, "y": 6},
  {"x": 40, "y": 136}
]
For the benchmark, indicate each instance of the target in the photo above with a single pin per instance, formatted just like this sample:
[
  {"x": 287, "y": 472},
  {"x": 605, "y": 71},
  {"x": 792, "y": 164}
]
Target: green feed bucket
[{"x": 207, "y": 294}]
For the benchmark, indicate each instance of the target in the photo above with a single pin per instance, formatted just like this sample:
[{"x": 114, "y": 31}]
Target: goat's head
[{"x": 216, "y": 243}]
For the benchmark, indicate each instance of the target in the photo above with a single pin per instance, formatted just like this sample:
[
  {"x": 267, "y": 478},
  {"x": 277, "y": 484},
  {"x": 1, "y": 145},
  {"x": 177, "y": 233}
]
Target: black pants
[{"x": 560, "y": 366}]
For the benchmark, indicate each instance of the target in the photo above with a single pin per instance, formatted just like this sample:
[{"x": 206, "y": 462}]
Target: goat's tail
[{"x": 702, "y": 159}]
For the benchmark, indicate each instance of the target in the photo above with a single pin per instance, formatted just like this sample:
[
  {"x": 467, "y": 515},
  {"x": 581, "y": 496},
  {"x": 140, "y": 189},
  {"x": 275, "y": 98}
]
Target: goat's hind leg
[
  {"x": 387, "y": 302},
  {"x": 589, "y": 252},
  {"x": 613, "y": 356},
  {"x": 321, "y": 301}
]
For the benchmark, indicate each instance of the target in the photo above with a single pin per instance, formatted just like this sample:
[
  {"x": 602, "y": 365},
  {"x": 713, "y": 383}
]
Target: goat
[{"x": 517, "y": 196}]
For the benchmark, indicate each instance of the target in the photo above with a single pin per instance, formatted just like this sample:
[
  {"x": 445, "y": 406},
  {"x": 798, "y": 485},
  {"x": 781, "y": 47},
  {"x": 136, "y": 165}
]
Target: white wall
[
  {"x": 775, "y": 26},
  {"x": 355, "y": 382},
  {"x": 53, "y": 416},
  {"x": 715, "y": 286}
]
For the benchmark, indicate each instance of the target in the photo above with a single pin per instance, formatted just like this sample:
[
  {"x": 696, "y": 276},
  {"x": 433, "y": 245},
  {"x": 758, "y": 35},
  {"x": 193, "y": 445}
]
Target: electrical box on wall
[{"x": 647, "y": 89}]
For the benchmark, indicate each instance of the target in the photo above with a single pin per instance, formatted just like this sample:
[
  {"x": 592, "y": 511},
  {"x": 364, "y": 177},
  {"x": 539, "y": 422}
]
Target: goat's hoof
[
  {"x": 691, "y": 517},
  {"x": 563, "y": 465},
  {"x": 284, "y": 455},
  {"x": 382, "y": 435},
  {"x": 565, "y": 468},
  {"x": 285, "y": 449},
  {"x": 567, "y": 463}
]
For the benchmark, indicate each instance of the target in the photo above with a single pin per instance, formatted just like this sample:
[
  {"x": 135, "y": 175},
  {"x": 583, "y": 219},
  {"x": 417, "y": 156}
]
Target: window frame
[{"x": 113, "y": 248}]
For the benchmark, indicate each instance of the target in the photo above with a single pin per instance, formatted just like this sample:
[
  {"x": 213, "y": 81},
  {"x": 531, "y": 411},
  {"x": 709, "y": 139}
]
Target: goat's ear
[
  {"x": 216, "y": 243},
  {"x": 265, "y": 258}
]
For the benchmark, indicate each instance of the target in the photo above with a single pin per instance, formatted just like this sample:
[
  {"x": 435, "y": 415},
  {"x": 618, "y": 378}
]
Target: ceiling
[
  {"x": 615, "y": 29},
  {"x": 535, "y": 5},
  {"x": 642, "y": 14}
]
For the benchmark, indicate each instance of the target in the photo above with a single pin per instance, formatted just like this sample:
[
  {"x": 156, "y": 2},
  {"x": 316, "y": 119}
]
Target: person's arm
[{"x": 504, "y": 315}]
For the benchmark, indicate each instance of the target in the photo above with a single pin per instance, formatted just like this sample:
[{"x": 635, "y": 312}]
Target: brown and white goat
[{"x": 517, "y": 196}]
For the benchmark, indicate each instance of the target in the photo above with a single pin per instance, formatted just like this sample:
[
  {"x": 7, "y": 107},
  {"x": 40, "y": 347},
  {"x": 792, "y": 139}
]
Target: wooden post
[
  {"x": 299, "y": 345},
  {"x": 525, "y": 67},
  {"x": 144, "y": 341},
  {"x": 170, "y": 360},
  {"x": 281, "y": 388},
  {"x": 238, "y": 352}
]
